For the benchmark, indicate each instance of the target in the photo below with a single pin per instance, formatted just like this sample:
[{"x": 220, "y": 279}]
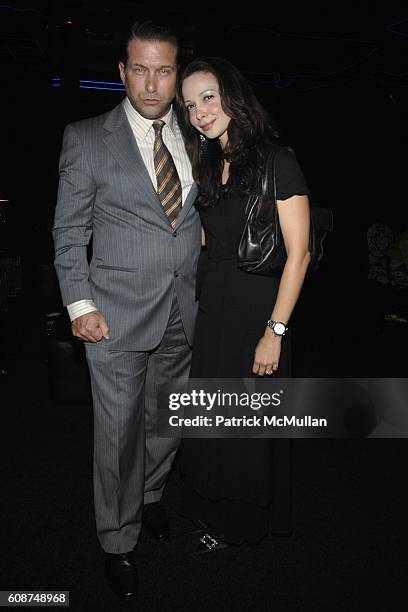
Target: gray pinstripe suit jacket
[{"x": 137, "y": 258}]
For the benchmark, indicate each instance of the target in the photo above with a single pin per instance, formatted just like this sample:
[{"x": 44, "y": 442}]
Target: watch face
[{"x": 279, "y": 329}]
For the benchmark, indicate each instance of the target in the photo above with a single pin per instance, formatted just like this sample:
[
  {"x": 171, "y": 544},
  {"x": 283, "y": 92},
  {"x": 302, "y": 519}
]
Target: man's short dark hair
[{"x": 149, "y": 30}]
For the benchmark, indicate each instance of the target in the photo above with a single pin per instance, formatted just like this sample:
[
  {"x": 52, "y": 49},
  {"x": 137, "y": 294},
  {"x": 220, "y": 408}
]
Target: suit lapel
[
  {"x": 122, "y": 144},
  {"x": 187, "y": 204}
]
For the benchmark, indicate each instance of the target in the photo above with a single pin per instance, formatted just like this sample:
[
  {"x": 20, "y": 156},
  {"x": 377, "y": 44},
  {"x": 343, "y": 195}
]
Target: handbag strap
[
  {"x": 268, "y": 177},
  {"x": 268, "y": 174}
]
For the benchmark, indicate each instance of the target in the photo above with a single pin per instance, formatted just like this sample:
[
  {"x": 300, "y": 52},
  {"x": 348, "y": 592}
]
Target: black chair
[{"x": 68, "y": 373}]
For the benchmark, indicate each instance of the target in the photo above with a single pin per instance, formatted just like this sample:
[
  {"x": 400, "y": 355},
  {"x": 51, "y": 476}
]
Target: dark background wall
[{"x": 334, "y": 76}]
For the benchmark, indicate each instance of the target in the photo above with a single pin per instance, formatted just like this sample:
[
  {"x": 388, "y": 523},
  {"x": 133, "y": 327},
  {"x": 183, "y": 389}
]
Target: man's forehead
[{"x": 152, "y": 51}]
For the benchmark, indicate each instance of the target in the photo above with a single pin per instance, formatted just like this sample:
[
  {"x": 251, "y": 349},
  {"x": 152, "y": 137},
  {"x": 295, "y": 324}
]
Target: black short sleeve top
[
  {"x": 223, "y": 223},
  {"x": 289, "y": 176}
]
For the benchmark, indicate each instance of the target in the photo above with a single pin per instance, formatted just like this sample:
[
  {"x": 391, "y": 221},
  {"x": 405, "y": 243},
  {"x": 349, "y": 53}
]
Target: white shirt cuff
[{"x": 81, "y": 307}]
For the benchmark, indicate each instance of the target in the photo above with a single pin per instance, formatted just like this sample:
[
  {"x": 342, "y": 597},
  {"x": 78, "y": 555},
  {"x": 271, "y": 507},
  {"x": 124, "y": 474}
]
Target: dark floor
[{"x": 346, "y": 552}]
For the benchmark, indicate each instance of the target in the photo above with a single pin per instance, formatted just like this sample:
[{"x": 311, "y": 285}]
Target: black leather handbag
[{"x": 261, "y": 248}]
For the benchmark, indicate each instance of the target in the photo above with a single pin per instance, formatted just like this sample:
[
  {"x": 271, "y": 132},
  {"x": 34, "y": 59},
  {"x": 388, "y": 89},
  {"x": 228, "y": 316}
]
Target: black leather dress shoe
[
  {"x": 121, "y": 574},
  {"x": 155, "y": 521}
]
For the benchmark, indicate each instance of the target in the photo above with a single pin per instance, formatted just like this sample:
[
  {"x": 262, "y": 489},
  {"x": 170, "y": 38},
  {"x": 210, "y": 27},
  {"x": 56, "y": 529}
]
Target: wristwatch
[{"x": 278, "y": 328}]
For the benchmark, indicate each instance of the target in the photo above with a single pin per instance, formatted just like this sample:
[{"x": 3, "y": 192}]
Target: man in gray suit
[{"x": 125, "y": 180}]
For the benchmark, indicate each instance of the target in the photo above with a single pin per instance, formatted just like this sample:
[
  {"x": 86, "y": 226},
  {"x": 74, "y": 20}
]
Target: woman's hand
[{"x": 267, "y": 354}]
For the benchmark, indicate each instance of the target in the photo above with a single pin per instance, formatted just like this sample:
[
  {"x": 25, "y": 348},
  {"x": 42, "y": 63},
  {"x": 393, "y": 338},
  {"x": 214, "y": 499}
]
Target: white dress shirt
[{"x": 144, "y": 133}]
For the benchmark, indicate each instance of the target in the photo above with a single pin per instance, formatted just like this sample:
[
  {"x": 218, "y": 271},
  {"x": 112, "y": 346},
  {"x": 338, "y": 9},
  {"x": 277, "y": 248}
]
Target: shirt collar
[{"x": 141, "y": 125}]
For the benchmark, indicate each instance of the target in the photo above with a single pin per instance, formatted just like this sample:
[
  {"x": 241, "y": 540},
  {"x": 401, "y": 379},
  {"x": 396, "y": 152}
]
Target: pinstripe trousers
[{"x": 130, "y": 462}]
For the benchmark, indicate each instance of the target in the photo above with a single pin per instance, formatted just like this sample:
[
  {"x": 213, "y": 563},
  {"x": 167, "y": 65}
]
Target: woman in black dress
[{"x": 239, "y": 489}]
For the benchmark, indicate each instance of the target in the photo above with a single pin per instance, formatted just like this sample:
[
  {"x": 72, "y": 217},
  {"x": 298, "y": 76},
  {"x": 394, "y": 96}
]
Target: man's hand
[{"x": 90, "y": 327}]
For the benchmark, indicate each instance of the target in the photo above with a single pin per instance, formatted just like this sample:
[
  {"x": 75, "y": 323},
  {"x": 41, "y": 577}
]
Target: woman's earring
[{"x": 202, "y": 138}]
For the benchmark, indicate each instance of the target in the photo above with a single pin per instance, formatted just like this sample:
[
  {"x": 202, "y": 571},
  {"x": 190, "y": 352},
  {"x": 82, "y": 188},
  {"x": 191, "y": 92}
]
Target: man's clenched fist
[{"x": 90, "y": 327}]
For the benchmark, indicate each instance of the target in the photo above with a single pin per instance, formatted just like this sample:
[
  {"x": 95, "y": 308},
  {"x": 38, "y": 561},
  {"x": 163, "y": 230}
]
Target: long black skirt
[{"x": 240, "y": 487}]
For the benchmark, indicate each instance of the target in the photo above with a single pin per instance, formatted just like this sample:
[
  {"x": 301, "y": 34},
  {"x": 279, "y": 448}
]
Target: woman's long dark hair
[{"x": 248, "y": 132}]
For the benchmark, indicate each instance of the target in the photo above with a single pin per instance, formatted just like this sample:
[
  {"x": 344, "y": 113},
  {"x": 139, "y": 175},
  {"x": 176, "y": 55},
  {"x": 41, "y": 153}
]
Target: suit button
[
  {"x": 174, "y": 234},
  {"x": 176, "y": 274}
]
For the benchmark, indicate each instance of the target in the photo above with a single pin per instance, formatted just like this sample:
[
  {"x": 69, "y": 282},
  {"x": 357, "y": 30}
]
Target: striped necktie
[{"x": 168, "y": 182}]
